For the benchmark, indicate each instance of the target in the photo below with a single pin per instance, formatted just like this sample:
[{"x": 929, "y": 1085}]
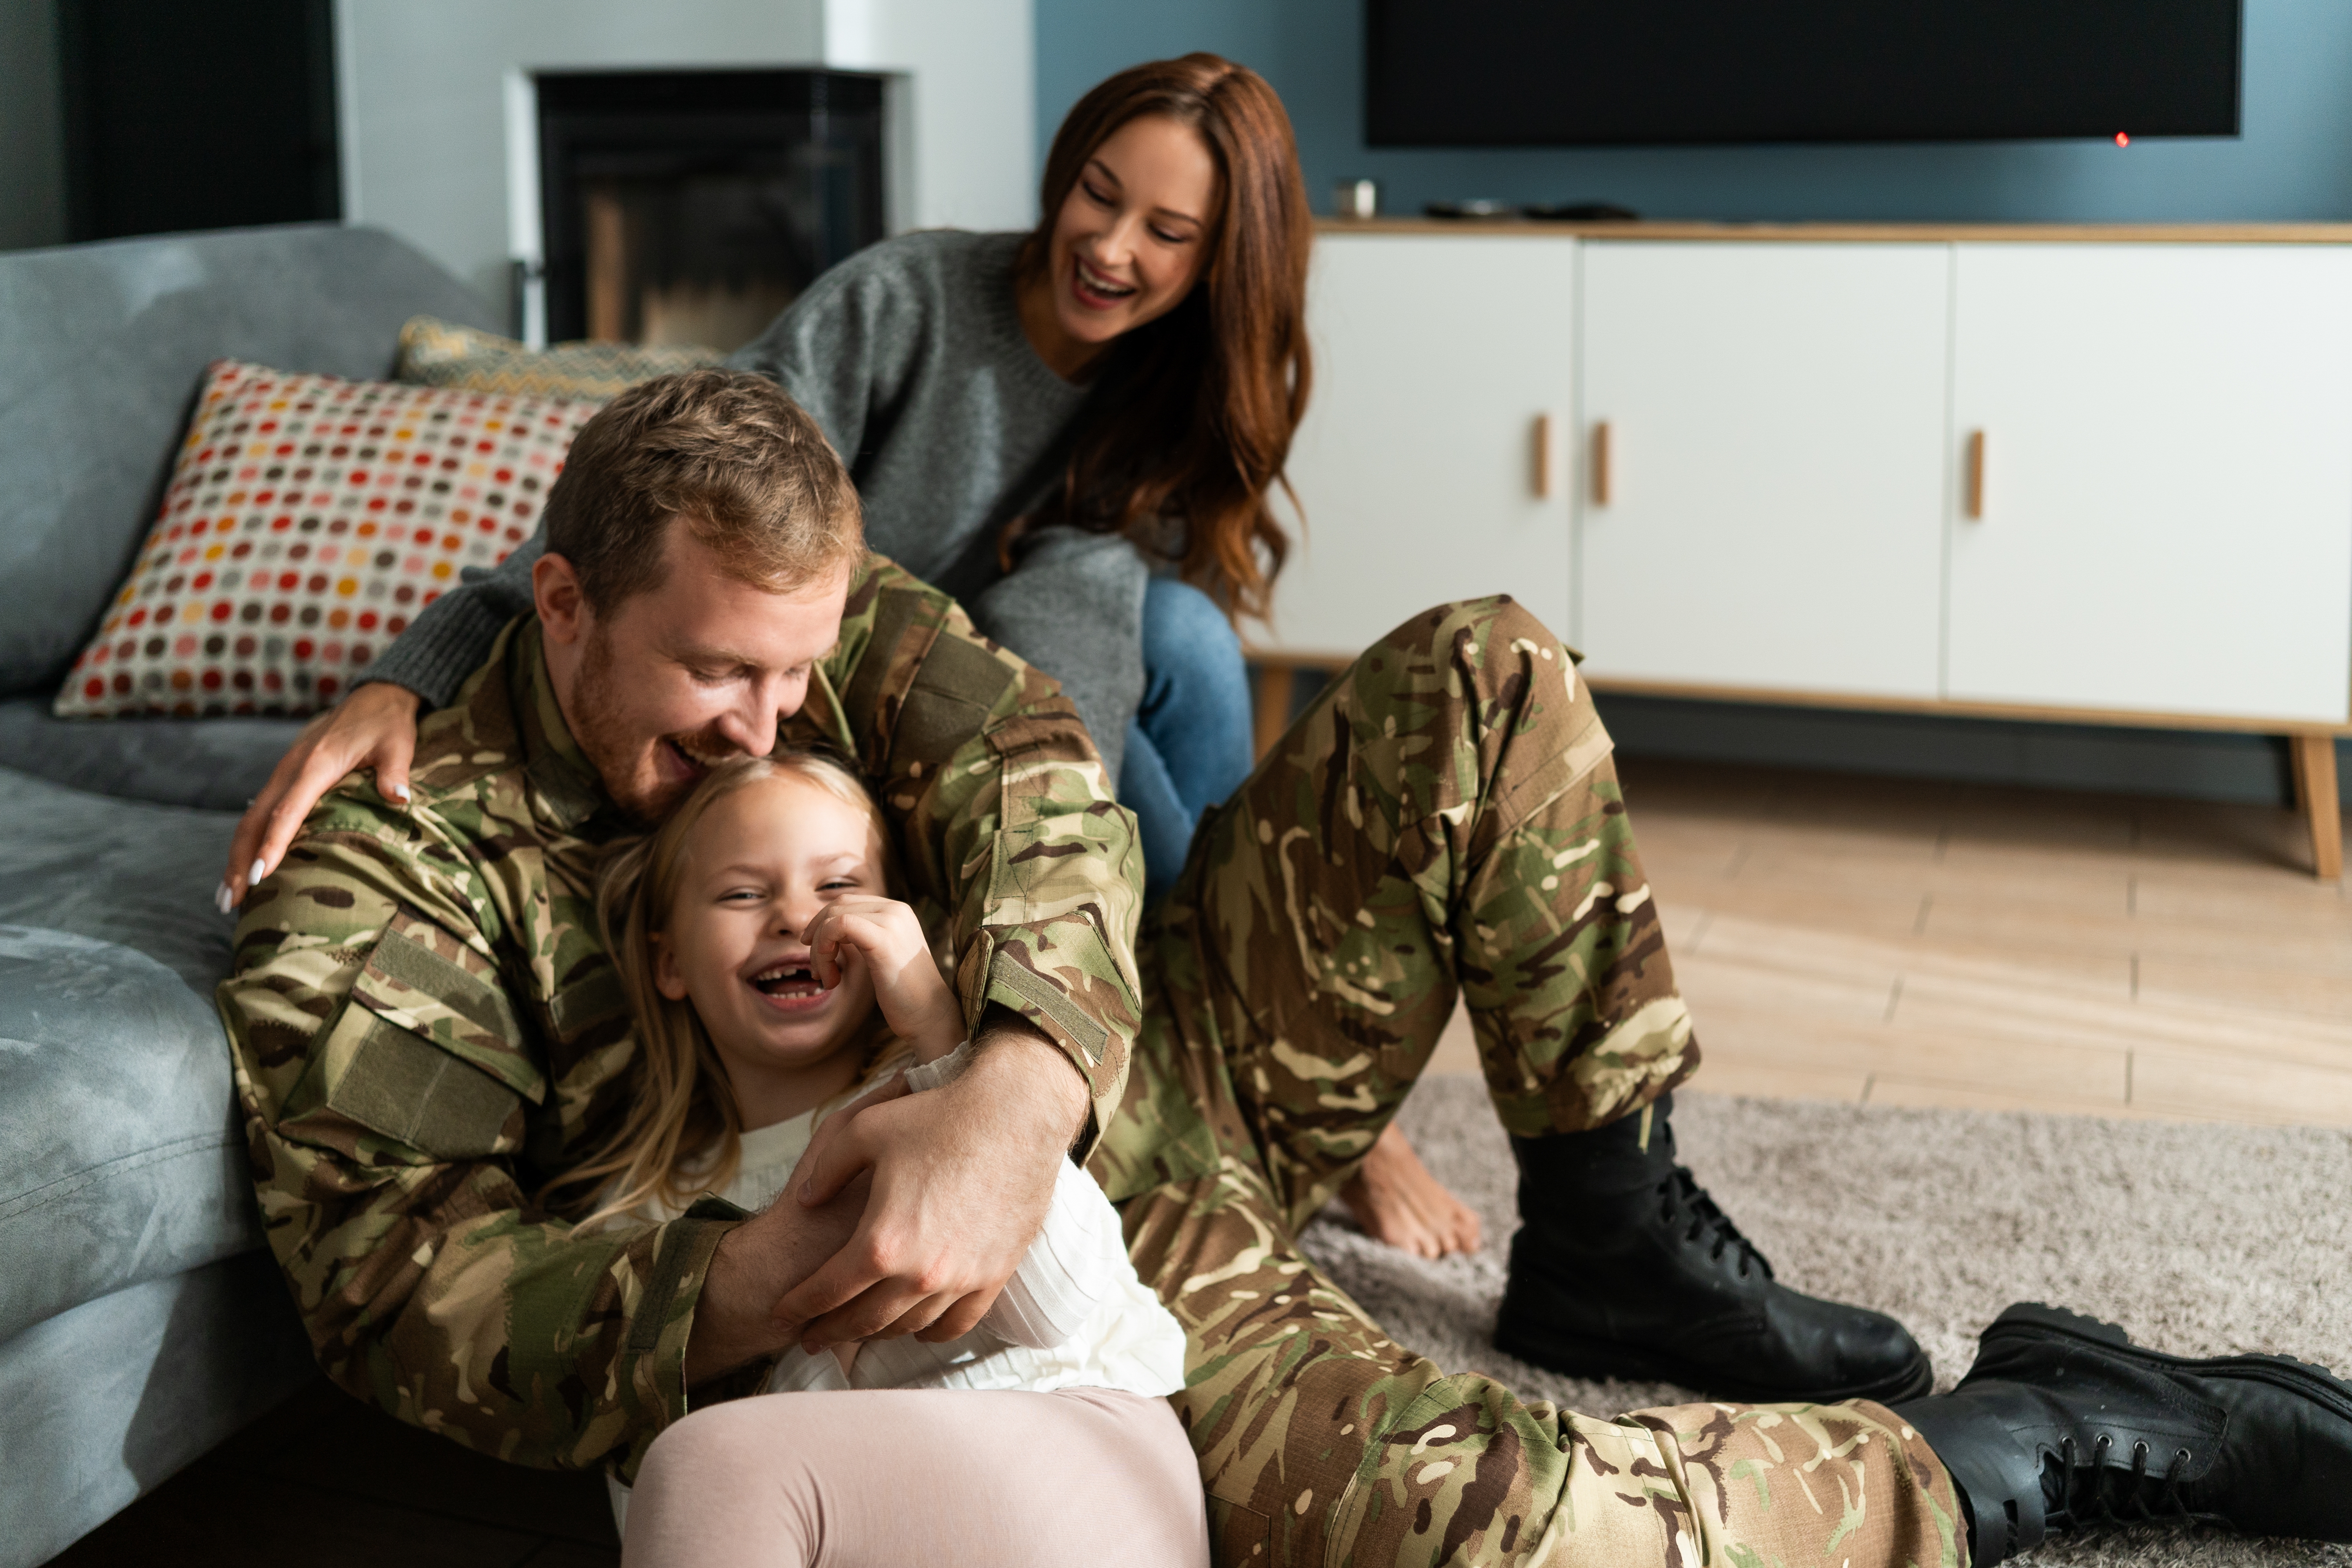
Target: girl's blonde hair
[{"x": 680, "y": 1104}]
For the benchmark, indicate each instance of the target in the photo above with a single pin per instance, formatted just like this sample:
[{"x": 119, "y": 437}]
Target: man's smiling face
[{"x": 697, "y": 670}]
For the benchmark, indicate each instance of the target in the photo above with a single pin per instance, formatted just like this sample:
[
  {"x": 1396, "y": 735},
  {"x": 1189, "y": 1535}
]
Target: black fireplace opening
[{"x": 690, "y": 206}]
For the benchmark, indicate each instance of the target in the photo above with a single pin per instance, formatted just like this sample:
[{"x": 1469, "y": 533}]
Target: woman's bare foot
[{"x": 1396, "y": 1200}]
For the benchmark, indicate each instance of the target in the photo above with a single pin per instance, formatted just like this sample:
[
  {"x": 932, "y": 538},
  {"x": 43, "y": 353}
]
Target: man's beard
[{"x": 624, "y": 760}]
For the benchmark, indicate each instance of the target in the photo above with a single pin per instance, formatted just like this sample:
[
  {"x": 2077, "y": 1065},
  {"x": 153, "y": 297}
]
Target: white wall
[
  {"x": 32, "y": 136},
  {"x": 420, "y": 91},
  {"x": 972, "y": 66}
]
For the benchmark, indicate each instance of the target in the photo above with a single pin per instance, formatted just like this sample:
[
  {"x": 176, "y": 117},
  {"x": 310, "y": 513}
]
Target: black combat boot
[
  {"x": 1624, "y": 1267},
  {"x": 2064, "y": 1422}
]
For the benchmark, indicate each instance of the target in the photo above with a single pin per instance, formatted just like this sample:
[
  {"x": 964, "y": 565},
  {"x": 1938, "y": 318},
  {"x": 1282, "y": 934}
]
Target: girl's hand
[{"x": 883, "y": 936}]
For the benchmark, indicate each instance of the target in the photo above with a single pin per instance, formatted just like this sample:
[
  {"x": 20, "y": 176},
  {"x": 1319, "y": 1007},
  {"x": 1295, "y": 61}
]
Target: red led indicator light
[{"x": 2122, "y": 140}]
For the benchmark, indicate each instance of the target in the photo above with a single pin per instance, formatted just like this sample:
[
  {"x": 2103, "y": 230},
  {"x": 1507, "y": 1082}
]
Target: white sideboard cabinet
[
  {"x": 2102, "y": 475},
  {"x": 2161, "y": 441},
  {"x": 1445, "y": 381},
  {"x": 1770, "y": 419}
]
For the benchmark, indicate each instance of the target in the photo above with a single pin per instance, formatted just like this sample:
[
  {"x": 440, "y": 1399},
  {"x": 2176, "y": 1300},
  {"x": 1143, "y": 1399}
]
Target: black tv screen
[{"x": 1570, "y": 73}]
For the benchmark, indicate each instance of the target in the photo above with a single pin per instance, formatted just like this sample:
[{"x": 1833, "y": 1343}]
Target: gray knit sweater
[{"x": 911, "y": 358}]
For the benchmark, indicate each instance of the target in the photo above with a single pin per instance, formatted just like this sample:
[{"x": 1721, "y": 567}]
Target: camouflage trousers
[{"x": 1444, "y": 819}]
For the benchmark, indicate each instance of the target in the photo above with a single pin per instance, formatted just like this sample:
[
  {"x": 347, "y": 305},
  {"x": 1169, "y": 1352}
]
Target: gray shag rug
[{"x": 2198, "y": 1239}]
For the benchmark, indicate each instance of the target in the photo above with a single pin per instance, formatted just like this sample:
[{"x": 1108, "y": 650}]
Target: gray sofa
[{"x": 141, "y": 1318}]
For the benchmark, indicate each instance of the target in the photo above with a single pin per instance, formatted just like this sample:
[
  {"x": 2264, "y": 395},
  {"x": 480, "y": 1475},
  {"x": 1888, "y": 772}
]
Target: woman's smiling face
[
  {"x": 1134, "y": 232},
  {"x": 761, "y": 862}
]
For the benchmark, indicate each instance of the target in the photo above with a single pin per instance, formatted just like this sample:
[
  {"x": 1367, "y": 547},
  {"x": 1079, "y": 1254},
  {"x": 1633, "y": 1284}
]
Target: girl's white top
[{"x": 1075, "y": 1315}]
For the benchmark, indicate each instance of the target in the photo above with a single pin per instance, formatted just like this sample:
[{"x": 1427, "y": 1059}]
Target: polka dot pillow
[{"x": 307, "y": 522}]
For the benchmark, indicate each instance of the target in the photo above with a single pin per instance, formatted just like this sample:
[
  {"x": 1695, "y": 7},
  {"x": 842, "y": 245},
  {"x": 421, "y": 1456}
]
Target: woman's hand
[
  {"x": 884, "y": 937},
  {"x": 374, "y": 727}
]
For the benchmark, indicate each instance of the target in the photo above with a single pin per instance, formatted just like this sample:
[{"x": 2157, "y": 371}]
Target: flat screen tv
[{"x": 1589, "y": 73}]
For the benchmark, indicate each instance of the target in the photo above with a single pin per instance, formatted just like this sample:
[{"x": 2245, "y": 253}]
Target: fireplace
[{"x": 690, "y": 206}]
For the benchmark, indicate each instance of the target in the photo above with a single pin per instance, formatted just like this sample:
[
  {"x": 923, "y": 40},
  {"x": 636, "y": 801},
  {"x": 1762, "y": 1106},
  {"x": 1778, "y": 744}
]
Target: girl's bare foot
[{"x": 1396, "y": 1200}]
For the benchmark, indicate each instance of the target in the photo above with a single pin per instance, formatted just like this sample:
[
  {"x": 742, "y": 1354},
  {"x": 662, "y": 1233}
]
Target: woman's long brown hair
[{"x": 1198, "y": 407}]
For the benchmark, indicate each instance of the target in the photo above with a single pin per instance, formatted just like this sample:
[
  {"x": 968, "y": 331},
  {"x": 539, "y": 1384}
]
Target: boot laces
[
  {"x": 2094, "y": 1488},
  {"x": 1683, "y": 1201}
]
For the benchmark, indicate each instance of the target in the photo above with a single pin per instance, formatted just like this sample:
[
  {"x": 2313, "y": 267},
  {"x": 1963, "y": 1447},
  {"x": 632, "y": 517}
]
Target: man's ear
[
  {"x": 563, "y": 612},
  {"x": 667, "y": 979}
]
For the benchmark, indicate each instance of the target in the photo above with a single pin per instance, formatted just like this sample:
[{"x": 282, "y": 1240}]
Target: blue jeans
[{"x": 1189, "y": 746}]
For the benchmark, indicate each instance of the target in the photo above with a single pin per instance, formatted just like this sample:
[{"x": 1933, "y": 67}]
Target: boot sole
[
  {"x": 1572, "y": 1355},
  {"x": 2317, "y": 1384}
]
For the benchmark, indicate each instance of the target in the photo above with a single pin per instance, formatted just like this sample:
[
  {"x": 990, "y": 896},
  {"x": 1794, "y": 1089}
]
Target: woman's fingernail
[
  {"x": 222, "y": 900},
  {"x": 400, "y": 793},
  {"x": 253, "y": 877}
]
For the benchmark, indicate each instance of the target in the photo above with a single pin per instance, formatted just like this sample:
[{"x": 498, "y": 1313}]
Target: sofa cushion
[
  {"x": 103, "y": 1403},
  {"x": 106, "y": 345},
  {"x": 117, "y": 870},
  {"x": 119, "y": 1160},
  {"x": 308, "y": 519},
  {"x": 442, "y": 353},
  {"x": 218, "y": 763}
]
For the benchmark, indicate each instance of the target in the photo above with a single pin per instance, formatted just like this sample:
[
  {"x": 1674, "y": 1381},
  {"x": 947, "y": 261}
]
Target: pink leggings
[{"x": 890, "y": 1477}]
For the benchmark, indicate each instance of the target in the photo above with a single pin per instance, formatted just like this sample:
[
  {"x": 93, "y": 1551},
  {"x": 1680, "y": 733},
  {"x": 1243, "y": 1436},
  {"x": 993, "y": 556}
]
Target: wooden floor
[
  {"x": 1918, "y": 943},
  {"x": 1838, "y": 937},
  {"x": 324, "y": 1481}
]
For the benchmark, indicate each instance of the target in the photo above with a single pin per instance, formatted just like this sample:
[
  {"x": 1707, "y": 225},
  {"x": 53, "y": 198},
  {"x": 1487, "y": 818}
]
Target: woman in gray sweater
[
  {"x": 1075, "y": 431},
  {"x": 913, "y": 358}
]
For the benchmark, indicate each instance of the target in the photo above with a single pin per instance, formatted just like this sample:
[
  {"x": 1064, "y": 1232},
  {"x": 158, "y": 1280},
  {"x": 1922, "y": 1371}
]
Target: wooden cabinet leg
[
  {"x": 2315, "y": 788},
  {"x": 1270, "y": 701}
]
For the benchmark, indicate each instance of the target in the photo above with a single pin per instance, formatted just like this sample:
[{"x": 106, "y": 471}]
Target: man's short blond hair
[{"x": 727, "y": 453}]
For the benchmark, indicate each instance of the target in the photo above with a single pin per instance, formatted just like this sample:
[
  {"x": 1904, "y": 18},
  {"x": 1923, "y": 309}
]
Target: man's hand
[
  {"x": 962, "y": 1176},
  {"x": 756, "y": 1262},
  {"x": 374, "y": 727}
]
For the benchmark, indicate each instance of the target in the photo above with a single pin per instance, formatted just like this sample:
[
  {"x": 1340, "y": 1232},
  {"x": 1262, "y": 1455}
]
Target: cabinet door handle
[
  {"x": 1972, "y": 503},
  {"x": 1543, "y": 472},
  {"x": 1601, "y": 462}
]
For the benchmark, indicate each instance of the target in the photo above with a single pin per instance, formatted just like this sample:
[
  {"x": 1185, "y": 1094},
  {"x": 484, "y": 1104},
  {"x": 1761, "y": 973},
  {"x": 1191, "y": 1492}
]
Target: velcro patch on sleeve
[
  {"x": 426, "y": 983},
  {"x": 948, "y": 706},
  {"x": 415, "y": 1092},
  {"x": 1049, "y": 999}
]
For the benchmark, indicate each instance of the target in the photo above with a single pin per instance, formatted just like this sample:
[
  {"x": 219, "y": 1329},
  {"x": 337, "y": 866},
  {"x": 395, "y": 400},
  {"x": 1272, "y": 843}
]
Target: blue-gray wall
[{"x": 2294, "y": 161}]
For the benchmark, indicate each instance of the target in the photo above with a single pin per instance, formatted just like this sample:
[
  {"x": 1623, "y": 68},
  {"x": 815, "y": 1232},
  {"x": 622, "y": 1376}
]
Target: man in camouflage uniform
[{"x": 426, "y": 1027}]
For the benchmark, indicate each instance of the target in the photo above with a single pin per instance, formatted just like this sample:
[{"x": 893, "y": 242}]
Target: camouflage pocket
[
  {"x": 415, "y": 1093},
  {"x": 428, "y": 1051},
  {"x": 958, "y": 687},
  {"x": 420, "y": 979}
]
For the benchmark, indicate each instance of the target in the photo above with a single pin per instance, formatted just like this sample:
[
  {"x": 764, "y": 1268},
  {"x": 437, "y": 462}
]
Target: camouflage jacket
[{"x": 426, "y": 1027}]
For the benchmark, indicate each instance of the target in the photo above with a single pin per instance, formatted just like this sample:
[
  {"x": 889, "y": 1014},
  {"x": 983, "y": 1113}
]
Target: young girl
[{"x": 774, "y": 980}]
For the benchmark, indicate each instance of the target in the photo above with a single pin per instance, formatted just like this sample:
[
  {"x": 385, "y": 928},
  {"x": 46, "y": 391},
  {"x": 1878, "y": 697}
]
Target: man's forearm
[
  {"x": 1025, "y": 1065},
  {"x": 961, "y": 1176},
  {"x": 755, "y": 1264}
]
